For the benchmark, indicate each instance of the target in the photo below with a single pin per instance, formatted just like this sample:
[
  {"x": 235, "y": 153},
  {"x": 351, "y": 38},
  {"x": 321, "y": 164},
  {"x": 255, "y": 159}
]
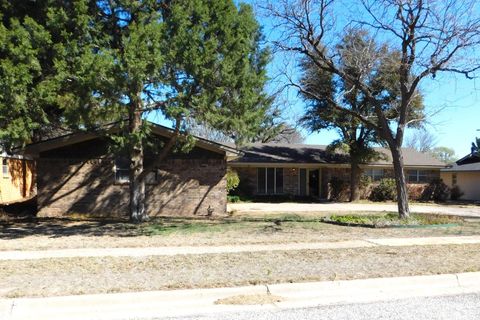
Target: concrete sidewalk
[
  {"x": 469, "y": 211},
  {"x": 138, "y": 305},
  {"x": 170, "y": 251}
]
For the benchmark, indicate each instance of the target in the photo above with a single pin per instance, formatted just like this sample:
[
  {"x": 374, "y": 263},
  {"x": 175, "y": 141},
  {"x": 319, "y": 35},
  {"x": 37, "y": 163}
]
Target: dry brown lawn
[
  {"x": 50, "y": 277},
  {"x": 46, "y": 234}
]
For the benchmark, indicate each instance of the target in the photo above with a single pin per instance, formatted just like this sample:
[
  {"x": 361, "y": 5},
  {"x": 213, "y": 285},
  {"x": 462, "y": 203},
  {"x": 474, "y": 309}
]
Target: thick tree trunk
[
  {"x": 355, "y": 175},
  {"x": 137, "y": 181},
  {"x": 401, "y": 182}
]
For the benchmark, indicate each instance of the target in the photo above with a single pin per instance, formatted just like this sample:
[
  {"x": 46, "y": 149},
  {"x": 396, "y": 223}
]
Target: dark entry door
[{"x": 314, "y": 183}]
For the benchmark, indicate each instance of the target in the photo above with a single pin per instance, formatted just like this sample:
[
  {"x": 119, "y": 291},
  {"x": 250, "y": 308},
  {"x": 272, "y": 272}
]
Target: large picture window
[{"x": 269, "y": 180}]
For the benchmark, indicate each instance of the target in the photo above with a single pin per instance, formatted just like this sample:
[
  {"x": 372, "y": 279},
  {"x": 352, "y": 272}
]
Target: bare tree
[
  {"x": 430, "y": 36},
  {"x": 285, "y": 134},
  {"x": 421, "y": 140},
  {"x": 205, "y": 131},
  {"x": 444, "y": 154}
]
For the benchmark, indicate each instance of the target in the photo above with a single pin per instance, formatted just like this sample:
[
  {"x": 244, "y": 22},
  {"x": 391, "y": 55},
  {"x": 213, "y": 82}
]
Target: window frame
[
  {"x": 371, "y": 173},
  {"x": 266, "y": 180},
  {"x": 419, "y": 174},
  {"x": 117, "y": 169}
]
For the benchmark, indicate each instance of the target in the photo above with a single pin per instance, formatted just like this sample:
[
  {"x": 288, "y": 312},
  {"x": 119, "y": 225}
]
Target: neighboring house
[
  {"x": 77, "y": 175},
  {"x": 16, "y": 178},
  {"x": 465, "y": 174},
  {"x": 306, "y": 170}
]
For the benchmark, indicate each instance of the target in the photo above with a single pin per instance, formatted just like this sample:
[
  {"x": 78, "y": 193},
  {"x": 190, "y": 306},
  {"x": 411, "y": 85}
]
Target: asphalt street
[{"x": 457, "y": 307}]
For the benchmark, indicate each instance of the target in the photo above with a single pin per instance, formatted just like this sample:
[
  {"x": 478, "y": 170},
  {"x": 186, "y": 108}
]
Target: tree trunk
[
  {"x": 401, "y": 182},
  {"x": 137, "y": 182},
  {"x": 355, "y": 175}
]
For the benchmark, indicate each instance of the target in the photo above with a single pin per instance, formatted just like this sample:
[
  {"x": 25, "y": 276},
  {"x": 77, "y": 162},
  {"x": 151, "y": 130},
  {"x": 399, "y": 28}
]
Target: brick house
[
  {"x": 301, "y": 170},
  {"x": 76, "y": 174}
]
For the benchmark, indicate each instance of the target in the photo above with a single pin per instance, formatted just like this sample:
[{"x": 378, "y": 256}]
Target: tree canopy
[
  {"x": 77, "y": 65},
  {"x": 421, "y": 37},
  {"x": 333, "y": 102}
]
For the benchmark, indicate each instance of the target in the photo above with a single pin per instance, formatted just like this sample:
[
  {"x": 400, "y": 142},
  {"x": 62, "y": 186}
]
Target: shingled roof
[
  {"x": 470, "y": 162},
  {"x": 318, "y": 154}
]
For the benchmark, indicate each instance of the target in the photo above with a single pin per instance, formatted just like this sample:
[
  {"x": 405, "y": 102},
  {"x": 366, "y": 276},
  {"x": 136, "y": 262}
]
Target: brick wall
[
  {"x": 248, "y": 181},
  {"x": 184, "y": 187},
  {"x": 189, "y": 187},
  {"x": 290, "y": 181}
]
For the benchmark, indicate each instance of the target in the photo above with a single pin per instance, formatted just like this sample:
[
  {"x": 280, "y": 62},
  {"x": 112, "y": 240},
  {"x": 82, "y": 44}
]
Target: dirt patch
[
  {"x": 52, "y": 277},
  {"x": 251, "y": 299}
]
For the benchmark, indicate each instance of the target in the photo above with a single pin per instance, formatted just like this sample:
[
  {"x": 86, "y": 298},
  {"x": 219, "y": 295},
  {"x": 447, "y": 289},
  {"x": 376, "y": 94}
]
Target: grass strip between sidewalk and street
[{"x": 70, "y": 276}]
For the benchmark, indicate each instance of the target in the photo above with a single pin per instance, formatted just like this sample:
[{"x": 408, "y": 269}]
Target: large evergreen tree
[{"x": 119, "y": 60}]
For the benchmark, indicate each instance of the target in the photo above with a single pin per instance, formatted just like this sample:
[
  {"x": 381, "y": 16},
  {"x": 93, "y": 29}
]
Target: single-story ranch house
[
  {"x": 306, "y": 170},
  {"x": 465, "y": 174},
  {"x": 77, "y": 175}
]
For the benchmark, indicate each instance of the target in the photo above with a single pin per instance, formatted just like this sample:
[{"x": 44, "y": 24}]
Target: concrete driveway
[{"x": 334, "y": 208}]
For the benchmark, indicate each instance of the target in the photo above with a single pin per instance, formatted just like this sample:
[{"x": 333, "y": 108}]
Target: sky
[{"x": 452, "y": 102}]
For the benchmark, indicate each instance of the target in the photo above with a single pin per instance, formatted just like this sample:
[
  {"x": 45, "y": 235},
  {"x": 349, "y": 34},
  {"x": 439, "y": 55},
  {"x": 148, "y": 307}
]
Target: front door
[{"x": 314, "y": 183}]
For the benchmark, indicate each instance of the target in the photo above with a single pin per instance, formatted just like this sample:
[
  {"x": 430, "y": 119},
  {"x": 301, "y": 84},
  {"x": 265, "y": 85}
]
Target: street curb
[{"x": 173, "y": 303}]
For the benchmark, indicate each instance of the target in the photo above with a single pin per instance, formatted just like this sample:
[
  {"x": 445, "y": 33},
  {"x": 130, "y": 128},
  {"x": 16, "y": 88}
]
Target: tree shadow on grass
[
  {"x": 56, "y": 228},
  {"x": 16, "y": 228}
]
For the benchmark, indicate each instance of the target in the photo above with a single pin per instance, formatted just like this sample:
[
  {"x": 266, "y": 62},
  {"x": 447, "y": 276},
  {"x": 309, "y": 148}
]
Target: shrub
[
  {"x": 365, "y": 182},
  {"x": 337, "y": 188},
  {"x": 436, "y": 191},
  {"x": 233, "y": 199},
  {"x": 366, "y": 186},
  {"x": 385, "y": 190},
  {"x": 233, "y": 180},
  {"x": 456, "y": 193},
  {"x": 392, "y": 219},
  {"x": 415, "y": 191}
]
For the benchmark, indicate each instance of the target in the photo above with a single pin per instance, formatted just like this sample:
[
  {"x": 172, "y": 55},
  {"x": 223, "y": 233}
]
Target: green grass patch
[
  {"x": 393, "y": 220},
  {"x": 167, "y": 226},
  {"x": 189, "y": 226},
  {"x": 238, "y": 199}
]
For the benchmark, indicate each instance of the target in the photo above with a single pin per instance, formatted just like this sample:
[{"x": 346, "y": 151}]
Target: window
[
  {"x": 454, "y": 179},
  {"x": 303, "y": 182},
  {"x": 261, "y": 180},
  {"x": 374, "y": 174},
  {"x": 269, "y": 180},
  {"x": 122, "y": 170},
  {"x": 279, "y": 181},
  {"x": 5, "y": 172},
  {"x": 419, "y": 176}
]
